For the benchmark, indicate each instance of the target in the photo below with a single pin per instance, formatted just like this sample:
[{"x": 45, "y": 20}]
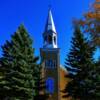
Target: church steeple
[
  {"x": 50, "y": 34},
  {"x": 50, "y": 23},
  {"x": 50, "y": 59}
]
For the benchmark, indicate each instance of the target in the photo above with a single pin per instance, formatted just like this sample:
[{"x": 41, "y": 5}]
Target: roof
[
  {"x": 50, "y": 23},
  {"x": 63, "y": 68}
]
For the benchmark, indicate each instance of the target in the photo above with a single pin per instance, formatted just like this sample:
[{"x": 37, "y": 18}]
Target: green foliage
[
  {"x": 18, "y": 65},
  {"x": 40, "y": 86},
  {"x": 81, "y": 69}
]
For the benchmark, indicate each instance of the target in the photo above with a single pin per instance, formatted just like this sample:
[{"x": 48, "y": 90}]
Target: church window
[
  {"x": 54, "y": 39},
  {"x": 54, "y": 63},
  {"x": 50, "y": 39},
  {"x": 50, "y": 85},
  {"x": 50, "y": 63}
]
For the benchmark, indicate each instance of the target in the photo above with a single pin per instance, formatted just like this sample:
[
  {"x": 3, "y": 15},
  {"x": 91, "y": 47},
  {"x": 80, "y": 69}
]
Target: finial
[{"x": 49, "y": 5}]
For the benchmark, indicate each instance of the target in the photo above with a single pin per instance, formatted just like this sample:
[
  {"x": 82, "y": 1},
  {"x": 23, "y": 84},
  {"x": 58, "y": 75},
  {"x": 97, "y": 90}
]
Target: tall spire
[
  {"x": 49, "y": 35},
  {"x": 50, "y": 23}
]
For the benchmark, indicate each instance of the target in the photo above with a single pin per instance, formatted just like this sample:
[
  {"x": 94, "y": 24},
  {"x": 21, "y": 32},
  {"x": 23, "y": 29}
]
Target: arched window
[
  {"x": 55, "y": 39},
  {"x": 50, "y": 85},
  {"x": 50, "y": 63},
  {"x": 50, "y": 39}
]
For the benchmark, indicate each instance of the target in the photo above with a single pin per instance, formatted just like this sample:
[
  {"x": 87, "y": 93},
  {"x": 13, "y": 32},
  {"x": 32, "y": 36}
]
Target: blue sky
[{"x": 33, "y": 13}]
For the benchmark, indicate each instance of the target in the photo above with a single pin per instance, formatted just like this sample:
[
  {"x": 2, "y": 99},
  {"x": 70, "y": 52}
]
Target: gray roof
[{"x": 50, "y": 23}]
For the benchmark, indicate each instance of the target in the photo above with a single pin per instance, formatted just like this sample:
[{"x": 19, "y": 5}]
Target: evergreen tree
[
  {"x": 96, "y": 75},
  {"x": 80, "y": 66},
  {"x": 40, "y": 85},
  {"x": 18, "y": 65}
]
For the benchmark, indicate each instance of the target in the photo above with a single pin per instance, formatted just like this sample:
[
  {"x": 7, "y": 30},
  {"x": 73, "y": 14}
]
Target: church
[{"x": 53, "y": 72}]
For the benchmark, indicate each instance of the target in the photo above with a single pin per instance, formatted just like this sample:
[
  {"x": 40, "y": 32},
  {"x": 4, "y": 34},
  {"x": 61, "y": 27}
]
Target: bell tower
[
  {"x": 50, "y": 58},
  {"x": 50, "y": 34}
]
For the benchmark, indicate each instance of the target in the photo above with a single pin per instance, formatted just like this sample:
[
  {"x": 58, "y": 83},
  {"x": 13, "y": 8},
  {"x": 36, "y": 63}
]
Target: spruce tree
[
  {"x": 80, "y": 65},
  {"x": 96, "y": 75},
  {"x": 40, "y": 85},
  {"x": 18, "y": 65}
]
